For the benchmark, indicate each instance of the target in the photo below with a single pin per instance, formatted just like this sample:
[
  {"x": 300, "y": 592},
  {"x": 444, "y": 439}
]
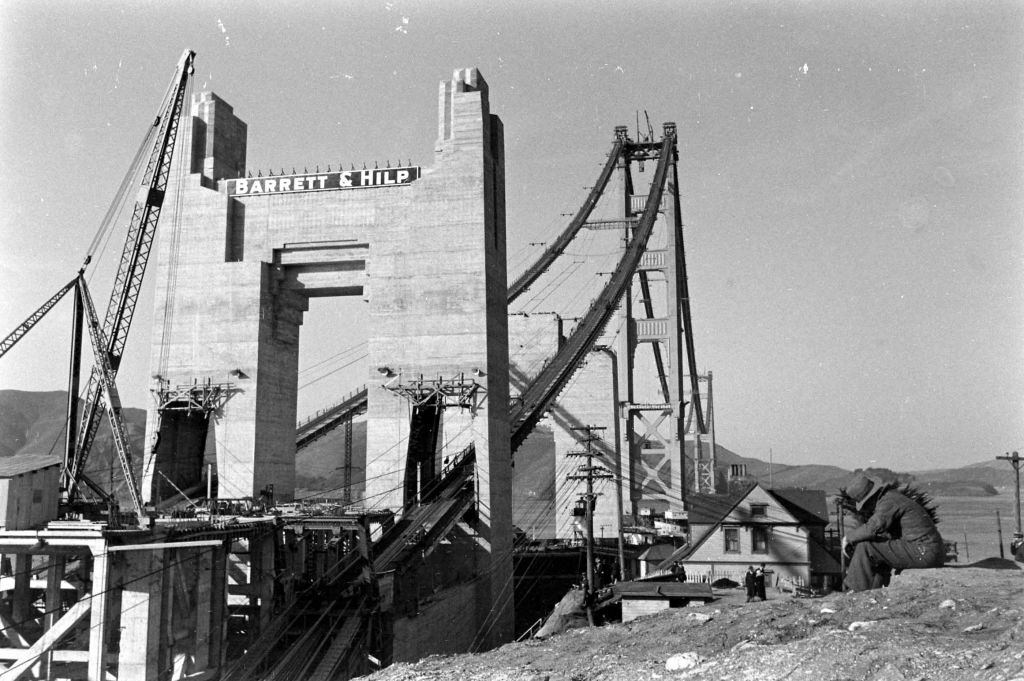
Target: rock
[
  {"x": 700, "y": 617},
  {"x": 857, "y": 626},
  {"x": 888, "y": 673},
  {"x": 682, "y": 661},
  {"x": 949, "y": 603},
  {"x": 974, "y": 627},
  {"x": 827, "y": 611}
]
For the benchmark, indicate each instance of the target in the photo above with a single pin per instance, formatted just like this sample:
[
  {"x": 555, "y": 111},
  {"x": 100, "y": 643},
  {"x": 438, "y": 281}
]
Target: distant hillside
[
  {"x": 319, "y": 465},
  {"x": 999, "y": 474},
  {"x": 33, "y": 423}
]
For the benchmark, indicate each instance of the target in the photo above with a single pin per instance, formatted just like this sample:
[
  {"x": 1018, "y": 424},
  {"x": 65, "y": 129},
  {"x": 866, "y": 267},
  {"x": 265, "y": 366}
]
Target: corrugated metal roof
[{"x": 11, "y": 466}]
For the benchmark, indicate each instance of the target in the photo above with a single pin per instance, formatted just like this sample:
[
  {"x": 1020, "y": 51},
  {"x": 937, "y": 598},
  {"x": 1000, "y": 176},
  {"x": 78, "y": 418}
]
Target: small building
[
  {"x": 648, "y": 597},
  {"x": 29, "y": 491},
  {"x": 653, "y": 557},
  {"x": 784, "y": 529}
]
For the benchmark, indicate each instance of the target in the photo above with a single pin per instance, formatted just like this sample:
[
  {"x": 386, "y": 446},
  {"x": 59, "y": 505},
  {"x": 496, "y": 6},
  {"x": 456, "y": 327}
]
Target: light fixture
[
  {"x": 478, "y": 372},
  {"x": 386, "y": 372},
  {"x": 238, "y": 373}
]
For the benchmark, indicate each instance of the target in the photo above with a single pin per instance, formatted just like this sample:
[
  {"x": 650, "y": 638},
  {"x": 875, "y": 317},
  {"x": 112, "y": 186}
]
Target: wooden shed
[{"x": 29, "y": 491}]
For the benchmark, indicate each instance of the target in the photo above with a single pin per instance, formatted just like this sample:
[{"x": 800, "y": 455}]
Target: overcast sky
[{"x": 850, "y": 171}]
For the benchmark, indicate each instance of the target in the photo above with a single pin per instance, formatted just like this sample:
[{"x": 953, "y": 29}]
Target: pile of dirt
[{"x": 944, "y": 624}]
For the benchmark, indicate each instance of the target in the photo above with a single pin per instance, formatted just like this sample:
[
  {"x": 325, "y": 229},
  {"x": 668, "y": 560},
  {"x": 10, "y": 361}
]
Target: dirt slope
[{"x": 944, "y": 624}]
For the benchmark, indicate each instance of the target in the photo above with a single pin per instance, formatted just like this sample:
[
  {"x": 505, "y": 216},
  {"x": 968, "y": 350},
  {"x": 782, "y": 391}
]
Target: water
[{"x": 975, "y": 517}]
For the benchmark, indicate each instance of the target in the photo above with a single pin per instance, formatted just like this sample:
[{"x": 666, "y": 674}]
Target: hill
[
  {"x": 942, "y": 624},
  {"x": 33, "y": 423},
  {"x": 319, "y": 465}
]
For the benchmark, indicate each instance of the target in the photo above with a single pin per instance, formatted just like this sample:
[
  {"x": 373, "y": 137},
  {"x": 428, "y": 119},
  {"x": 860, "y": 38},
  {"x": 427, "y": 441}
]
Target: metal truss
[{"x": 461, "y": 392}]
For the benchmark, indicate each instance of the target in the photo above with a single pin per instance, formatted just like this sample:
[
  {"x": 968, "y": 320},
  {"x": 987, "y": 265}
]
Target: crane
[
  {"x": 101, "y": 393},
  {"x": 14, "y": 336},
  {"x": 108, "y": 339}
]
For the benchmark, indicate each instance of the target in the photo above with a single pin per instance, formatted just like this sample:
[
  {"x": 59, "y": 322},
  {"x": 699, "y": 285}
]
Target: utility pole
[
  {"x": 841, "y": 528},
  {"x": 1018, "y": 537},
  {"x": 589, "y": 472}
]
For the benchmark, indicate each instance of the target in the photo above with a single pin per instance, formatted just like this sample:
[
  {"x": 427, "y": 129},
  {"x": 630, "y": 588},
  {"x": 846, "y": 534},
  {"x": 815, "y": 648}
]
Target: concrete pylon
[
  {"x": 240, "y": 256},
  {"x": 439, "y": 310}
]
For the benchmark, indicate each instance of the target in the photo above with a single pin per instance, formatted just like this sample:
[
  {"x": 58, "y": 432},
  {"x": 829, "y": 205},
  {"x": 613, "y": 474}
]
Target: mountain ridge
[{"x": 33, "y": 423}]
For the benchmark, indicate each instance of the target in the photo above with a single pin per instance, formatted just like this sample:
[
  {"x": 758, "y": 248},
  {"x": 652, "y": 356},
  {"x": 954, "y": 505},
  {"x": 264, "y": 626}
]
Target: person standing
[
  {"x": 748, "y": 581},
  {"x": 899, "y": 533},
  {"x": 759, "y": 583}
]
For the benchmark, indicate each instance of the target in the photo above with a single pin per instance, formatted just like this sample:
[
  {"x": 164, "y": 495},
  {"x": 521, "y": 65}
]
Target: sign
[{"x": 318, "y": 182}]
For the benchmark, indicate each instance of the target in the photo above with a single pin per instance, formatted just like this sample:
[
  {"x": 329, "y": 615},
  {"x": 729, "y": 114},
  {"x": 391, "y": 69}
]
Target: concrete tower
[{"x": 239, "y": 258}]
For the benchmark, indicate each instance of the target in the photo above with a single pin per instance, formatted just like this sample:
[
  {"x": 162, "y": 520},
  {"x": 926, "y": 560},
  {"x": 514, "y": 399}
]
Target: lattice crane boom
[
  {"x": 132, "y": 266},
  {"x": 105, "y": 375},
  {"x": 26, "y": 326}
]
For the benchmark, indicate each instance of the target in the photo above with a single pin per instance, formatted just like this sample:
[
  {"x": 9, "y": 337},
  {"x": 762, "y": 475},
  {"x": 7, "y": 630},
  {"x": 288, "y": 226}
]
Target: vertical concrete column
[
  {"x": 98, "y": 613},
  {"x": 205, "y": 630},
  {"x": 22, "y": 603},
  {"x": 263, "y": 579},
  {"x": 439, "y": 308},
  {"x": 222, "y": 316},
  {"x": 218, "y": 600},
  {"x": 54, "y": 577},
  {"x": 141, "y": 578}
]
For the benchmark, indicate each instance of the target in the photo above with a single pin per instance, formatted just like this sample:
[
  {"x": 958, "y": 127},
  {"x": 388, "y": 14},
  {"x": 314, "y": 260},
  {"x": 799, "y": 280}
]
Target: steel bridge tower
[{"x": 667, "y": 419}]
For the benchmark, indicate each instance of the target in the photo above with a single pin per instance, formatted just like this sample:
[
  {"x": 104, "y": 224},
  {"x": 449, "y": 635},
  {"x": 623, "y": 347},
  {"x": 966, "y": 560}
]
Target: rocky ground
[{"x": 944, "y": 624}]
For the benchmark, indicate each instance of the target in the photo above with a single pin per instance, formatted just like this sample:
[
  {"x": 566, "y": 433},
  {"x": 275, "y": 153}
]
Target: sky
[{"x": 850, "y": 177}]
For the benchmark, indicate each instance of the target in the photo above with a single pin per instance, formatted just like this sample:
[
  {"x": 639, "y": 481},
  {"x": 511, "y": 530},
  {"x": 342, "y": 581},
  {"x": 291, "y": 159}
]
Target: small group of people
[
  {"x": 754, "y": 581},
  {"x": 679, "y": 571}
]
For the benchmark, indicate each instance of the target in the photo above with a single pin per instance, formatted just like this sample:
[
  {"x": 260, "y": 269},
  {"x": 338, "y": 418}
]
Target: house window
[
  {"x": 732, "y": 539},
  {"x": 759, "y": 510},
  {"x": 759, "y": 539}
]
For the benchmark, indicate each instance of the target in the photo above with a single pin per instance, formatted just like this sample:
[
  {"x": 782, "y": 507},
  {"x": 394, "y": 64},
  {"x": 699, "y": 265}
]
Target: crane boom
[
  {"x": 26, "y": 326},
  {"x": 132, "y": 267},
  {"x": 105, "y": 375}
]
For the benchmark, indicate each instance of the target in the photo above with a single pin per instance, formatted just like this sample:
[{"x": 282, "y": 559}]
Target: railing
[
  {"x": 328, "y": 411},
  {"x": 532, "y": 630}
]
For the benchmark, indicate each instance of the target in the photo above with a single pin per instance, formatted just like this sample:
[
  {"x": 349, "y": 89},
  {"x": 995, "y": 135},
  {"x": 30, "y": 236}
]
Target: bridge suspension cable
[
  {"x": 538, "y": 396},
  {"x": 556, "y": 248}
]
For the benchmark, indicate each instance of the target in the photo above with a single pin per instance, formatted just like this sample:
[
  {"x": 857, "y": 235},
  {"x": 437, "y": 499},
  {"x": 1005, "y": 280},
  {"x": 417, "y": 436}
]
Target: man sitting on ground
[{"x": 900, "y": 533}]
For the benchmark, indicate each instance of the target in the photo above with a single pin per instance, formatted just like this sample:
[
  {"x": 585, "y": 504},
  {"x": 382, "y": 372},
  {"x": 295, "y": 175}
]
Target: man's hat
[{"x": 863, "y": 488}]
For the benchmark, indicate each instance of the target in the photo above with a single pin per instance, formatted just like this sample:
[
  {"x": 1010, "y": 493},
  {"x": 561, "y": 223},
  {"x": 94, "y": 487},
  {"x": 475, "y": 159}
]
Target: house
[{"x": 784, "y": 529}]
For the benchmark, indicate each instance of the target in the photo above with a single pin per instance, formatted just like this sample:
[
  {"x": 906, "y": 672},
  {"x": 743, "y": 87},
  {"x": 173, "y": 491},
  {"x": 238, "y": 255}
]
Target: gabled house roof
[
  {"x": 710, "y": 509},
  {"x": 808, "y": 507}
]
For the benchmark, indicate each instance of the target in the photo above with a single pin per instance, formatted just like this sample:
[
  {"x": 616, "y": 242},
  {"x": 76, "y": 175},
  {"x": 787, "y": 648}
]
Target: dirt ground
[{"x": 961, "y": 622}]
